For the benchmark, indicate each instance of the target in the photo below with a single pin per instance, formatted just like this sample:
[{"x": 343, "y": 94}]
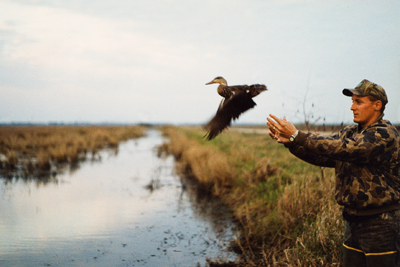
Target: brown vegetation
[
  {"x": 34, "y": 150},
  {"x": 285, "y": 209}
]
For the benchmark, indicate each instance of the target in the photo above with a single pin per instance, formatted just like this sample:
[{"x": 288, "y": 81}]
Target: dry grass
[
  {"x": 208, "y": 166},
  {"x": 286, "y": 211},
  {"x": 38, "y": 148}
]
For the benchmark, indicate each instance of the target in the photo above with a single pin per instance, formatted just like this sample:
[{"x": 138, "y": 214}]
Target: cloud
[
  {"x": 61, "y": 41},
  {"x": 154, "y": 58}
]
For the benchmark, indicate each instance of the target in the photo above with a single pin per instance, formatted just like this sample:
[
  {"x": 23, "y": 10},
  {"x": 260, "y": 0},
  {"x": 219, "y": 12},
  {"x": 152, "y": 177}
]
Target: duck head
[{"x": 219, "y": 80}]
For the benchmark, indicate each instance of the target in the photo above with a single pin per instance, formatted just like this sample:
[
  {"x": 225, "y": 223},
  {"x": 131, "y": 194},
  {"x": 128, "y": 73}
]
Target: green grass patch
[{"x": 286, "y": 211}]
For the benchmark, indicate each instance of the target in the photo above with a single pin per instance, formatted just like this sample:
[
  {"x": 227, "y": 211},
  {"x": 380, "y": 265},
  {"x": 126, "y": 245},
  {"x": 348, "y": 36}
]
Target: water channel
[{"x": 106, "y": 214}]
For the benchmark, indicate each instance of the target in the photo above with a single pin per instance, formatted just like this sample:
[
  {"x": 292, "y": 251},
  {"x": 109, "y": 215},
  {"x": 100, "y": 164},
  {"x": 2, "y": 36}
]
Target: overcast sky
[{"x": 148, "y": 61}]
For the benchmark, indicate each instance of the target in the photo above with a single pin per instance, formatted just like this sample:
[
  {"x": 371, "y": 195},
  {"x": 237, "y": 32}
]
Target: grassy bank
[
  {"x": 285, "y": 207},
  {"x": 36, "y": 149}
]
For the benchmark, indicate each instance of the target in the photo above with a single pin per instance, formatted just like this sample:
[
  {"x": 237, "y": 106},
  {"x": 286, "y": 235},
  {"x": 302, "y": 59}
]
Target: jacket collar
[{"x": 372, "y": 124}]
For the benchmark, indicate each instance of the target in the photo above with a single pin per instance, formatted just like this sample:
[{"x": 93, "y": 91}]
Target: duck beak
[{"x": 210, "y": 82}]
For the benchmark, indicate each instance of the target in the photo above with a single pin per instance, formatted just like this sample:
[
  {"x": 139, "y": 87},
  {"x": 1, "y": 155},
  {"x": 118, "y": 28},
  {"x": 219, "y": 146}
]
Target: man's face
[{"x": 364, "y": 110}]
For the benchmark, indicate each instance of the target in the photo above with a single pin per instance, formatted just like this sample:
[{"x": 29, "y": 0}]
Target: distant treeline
[{"x": 311, "y": 127}]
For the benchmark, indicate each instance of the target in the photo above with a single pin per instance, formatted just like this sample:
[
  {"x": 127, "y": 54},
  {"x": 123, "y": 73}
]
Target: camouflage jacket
[{"x": 366, "y": 162}]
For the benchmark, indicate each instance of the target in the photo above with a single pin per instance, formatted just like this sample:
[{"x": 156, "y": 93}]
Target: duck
[{"x": 236, "y": 100}]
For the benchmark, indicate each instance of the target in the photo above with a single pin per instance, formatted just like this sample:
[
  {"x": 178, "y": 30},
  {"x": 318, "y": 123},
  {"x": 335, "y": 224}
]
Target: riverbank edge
[
  {"x": 43, "y": 151},
  {"x": 295, "y": 225}
]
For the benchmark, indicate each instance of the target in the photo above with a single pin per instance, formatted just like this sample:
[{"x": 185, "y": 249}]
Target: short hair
[{"x": 373, "y": 99}]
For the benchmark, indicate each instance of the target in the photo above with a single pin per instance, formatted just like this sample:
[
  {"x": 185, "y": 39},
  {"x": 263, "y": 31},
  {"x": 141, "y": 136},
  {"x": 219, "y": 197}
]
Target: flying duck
[{"x": 236, "y": 100}]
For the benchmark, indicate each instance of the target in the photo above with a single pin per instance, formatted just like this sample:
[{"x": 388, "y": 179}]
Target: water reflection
[{"x": 127, "y": 210}]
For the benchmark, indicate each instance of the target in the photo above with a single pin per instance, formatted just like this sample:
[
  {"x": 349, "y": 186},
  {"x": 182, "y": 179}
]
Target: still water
[{"x": 106, "y": 214}]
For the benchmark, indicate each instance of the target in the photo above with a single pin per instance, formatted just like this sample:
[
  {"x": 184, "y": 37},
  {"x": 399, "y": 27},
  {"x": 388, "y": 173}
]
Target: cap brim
[{"x": 350, "y": 92}]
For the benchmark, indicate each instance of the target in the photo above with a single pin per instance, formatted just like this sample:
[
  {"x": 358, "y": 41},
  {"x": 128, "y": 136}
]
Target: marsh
[{"x": 104, "y": 214}]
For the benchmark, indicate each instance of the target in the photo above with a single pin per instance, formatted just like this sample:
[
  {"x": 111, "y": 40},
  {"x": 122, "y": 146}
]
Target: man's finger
[
  {"x": 271, "y": 135},
  {"x": 279, "y": 121},
  {"x": 272, "y": 124}
]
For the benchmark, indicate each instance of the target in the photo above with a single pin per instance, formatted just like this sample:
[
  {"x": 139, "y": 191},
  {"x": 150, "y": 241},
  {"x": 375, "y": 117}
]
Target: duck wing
[
  {"x": 256, "y": 89},
  {"x": 229, "y": 109},
  {"x": 253, "y": 90}
]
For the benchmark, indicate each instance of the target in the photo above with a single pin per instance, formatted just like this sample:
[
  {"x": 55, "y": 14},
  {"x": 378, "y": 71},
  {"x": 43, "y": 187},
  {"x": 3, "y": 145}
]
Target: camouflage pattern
[
  {"x": 367, "y": 88},
  {"x": 366, "y": 162},
  {"x": 372, "y": 242}
]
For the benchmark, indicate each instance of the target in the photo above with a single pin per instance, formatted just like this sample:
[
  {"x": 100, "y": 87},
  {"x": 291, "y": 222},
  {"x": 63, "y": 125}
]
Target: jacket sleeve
[
  {"x": 372, "y": 146},
  {"x": 304, "y": 154}
]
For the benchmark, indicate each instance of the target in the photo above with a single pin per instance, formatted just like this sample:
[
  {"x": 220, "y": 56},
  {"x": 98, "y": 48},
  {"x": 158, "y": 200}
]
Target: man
[{"x": 367, "y": 167}]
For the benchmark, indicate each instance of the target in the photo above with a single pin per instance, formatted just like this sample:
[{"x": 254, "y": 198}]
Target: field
[
  {"x": 284, "y": 207},
  {"x": 37, "y": 151}
]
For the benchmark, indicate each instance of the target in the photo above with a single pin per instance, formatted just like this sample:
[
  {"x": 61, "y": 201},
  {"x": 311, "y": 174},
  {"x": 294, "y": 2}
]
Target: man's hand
[{"x": 279, "y": 129}]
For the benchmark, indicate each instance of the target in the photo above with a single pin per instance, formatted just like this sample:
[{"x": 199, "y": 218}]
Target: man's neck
[{"x": 360, "y": 127}]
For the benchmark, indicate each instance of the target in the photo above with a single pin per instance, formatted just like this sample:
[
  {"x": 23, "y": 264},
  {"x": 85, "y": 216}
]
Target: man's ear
[{"x": 378, "y": 105}]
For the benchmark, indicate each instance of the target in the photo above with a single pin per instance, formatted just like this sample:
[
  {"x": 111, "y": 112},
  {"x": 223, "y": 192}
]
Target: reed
[
  {"x": 43, "y": 161},
  {"x": 36, "y": 148},
  {"x": 286, "y": 211}
]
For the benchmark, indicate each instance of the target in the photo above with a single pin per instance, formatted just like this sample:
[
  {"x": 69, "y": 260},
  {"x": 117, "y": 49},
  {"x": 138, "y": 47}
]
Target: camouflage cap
[{"x": 366, "y": 88}]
